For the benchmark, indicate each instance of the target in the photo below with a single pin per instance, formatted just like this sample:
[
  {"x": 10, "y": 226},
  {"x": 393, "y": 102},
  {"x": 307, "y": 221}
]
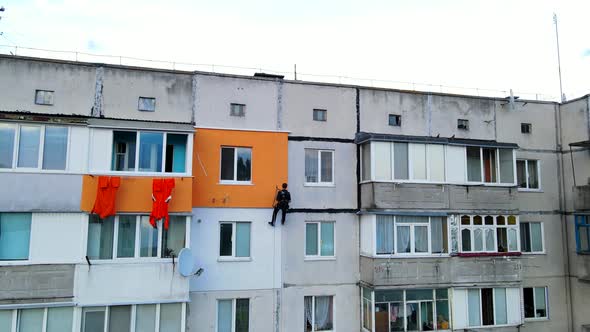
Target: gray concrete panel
[
  {"x": 51, "y": 192},
  {"x": 51, "y": 283}
]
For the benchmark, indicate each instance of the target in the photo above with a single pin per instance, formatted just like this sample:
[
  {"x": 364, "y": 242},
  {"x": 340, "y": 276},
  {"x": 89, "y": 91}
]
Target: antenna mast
[{"x": 561, "y": 95}]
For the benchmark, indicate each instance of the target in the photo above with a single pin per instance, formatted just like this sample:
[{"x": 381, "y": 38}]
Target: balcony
[
  {"x": 582, "y": 198},
  {"x": 417, "y": 196},
  {"x": 440, "y": 270},
  {"x": 36, "y": 283}
]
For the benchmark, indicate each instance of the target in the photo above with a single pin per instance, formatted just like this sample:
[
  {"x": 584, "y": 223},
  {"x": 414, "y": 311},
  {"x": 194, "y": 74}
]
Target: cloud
[{"x": 92, "y": 45}]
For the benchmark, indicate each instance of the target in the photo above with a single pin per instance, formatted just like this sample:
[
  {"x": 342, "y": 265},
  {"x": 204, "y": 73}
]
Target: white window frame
[
  {"x": 137, "y": 252},
  {"x": 15, "y": 319},
  {"x": 21, "y": 261},
  {"x": 233, "y": 312},
  {"x": 497, "y": 166},
  {"x": 322, "y": 111},
  {"x": 398, "y": 118},
  {"x": 526, "y": 169},
  {"x": 39, "y": 169},
  {"x": 320, "y": 183},
  {"x": 532, "y": 319},
  {"x": 139, "y": 108},
  {"x": 242, "y": 108},
  {"x": 494, "y": 309},
  {"x": 235, "y": 180},
  {"x": 133, "y": 316},
  {"x": 412, "y": 252},
  {"x": 319, "y": 255},
  {"x": 484, "y": 227},
  {"x": 44, "y": 92},
  {"x": 135, "y": 171},
  {"x": 313, "y": 311},
  {"x": 233, "y": 256},
  {"x": 542, "y": 237}
]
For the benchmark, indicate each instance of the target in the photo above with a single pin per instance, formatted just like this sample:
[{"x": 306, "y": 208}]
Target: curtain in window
[
  {"x": 120, "y": 318},
  {"x": 421, "y": 238},
  {"x": 311, "y": 239},
  {"x": 126, "y": 237},
  {"x": 436, "y": 234},
  {"x": 171, "y": 317},
  {"x": 512, "y": 240},
  {"x": 224, "y": 315},
  {"x": 30, "y": 320},
  {"x": 150, "y": 152},
  {"x": 533, "y": 174},
  {"x": 536, "y": 236},
  {"x": 323, "y": 313},
  {"x": 500, "y": 303},
  {"x": 382, "y": 160},
  {"x": 385, "y": 240},
  {"x": 473, "y": 307},
  {"x": 173, "y": 238},
  {"x": 489, "y": 235},
  {"x": 403, "y": 239},
  {"x": 426, "y": 316},
  {"x": 327, "y": 239},
  {"x": 327, "y": 170},
  {"x": 55, "y": 148},
  {"x": 145, "y": 320},
  {"x": 400, "y": 160},
  {"x": 506, "y": 166},
  {"x": 58, "y": 319},
  {"x": 243, "y": 239},
  {"x": 308, "y": 312},
  {"x": 311, "y": 165},
  {"x": 397, "y": 317},
  {"x": 28, "y": 146},
  {"x": 7, "y": 134},
  {"x": 15, "y": 235},
  {"x": 478, "y": 239}
]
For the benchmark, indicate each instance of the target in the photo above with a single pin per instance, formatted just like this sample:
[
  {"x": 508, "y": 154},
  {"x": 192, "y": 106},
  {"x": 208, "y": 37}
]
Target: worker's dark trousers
[{"x": 283, "y": 208}]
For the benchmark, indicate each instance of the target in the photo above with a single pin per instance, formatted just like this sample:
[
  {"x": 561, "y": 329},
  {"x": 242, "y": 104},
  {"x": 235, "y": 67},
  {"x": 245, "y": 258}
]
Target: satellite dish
[{"x": 186, "y": 262}]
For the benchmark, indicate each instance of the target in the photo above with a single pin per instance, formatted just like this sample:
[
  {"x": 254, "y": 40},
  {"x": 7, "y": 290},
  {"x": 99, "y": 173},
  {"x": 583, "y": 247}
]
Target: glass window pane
[
  {"x": 225, "y": 239},
  {"x": 170, "y": 317},
  {"x": 327, "y": 167},
  {"x": 442, "y": 293},
  {"x": 533, "y": 174},
  {"x": 473, "y": 307},
  {"x": 5, "y": 320},
  {"x": 487, "y": 306},
  {"x": 521, "y": 173},
  {"x": 389, "y": 295},
  {"x": 500, "y": 303},
  {"x": 382, "y": 160},
  {"x": 100, "y": 237},
  {"x": 126, "y": 237},
  {"x": 397, "y": 317},
  {"x": 540, "y": 302},
  {"x": 145, "y": 319},
  {"x": 15, "y": 236},
  {"x": 400, "y": 160},
  {"x": 243, "y": 239},
  {"x": 490, "y": 240},
  {"x": 506, "y": 166},
  {"x": 366, "y": 159},
  {"x": 478, "y": 239},
  {"x": 224, "y": 315},
  {"x": 536, "y": 237},
  {"x": 244, "y": 171},
  {"x": 465, "y": 240},
  {"x": 426, "y": 316},
  {"x": 418, "y": 155},
  {"x": 525, "y": 237},
  {"x": 473, "y": 164},
  {"x": 7, "y": 134},
  {"x": 148, "y": 238},
  {"x": 123, "y": 151},
  {"x": 323, "y": 313},
  {"x": 502, "y": 239},
  {"x": 403, "y": 239},
  {"x": 93, "y": 319},
  {"x": 150, "y": 152},
  {"x": 55, "y": 148},
  {"x": 512, "y": 240},
  {"x": 327, "y": 239},
  {"x": 173, "y": 238},
  {"x": 489, "y": 165},
  {"x": 412, "y": 316},
  {"x": 28, "y": 146},
  {"x": 242, "y": 315},
  {"x": 308, "y": 313},
  {"x": 420, "y": 238},
  {"x": 120, "y": 318},
  {"x": 529, "y": 305},
  {"x": 311, "y": 166},
  {"x": 227, "y": 163},
  {"x": 385, "y": 240},
  {"x": 436, "y": 161},
  {"x": 443, "y": 317},
  {"x": 30, "y": 320},
  {"x": 311, "y": 239},
  {"x": 176, "y": 153},
  {"x": 418, "y": 294},
  {"x": 60, "y": 319}
]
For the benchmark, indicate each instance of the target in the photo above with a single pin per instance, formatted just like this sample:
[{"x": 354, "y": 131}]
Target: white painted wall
[
  {"x": 78, "y": 149},
  {"x": 367, "y": 230},
  {"x": 101, "y": 142},
  {"x": 57, "y": 238}
]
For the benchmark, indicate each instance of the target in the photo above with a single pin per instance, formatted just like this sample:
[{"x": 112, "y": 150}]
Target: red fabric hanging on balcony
[
  {"x": 161, "y": 196},
  {"x": 104, "y": 205}
]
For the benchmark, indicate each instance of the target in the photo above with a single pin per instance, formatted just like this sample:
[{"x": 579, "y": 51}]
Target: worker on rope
[{"x": 281, "y": 203}]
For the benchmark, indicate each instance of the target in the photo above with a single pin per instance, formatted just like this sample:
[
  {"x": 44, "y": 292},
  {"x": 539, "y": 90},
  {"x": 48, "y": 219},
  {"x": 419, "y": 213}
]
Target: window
[
  {"x": 56, "y": 319},
  {"x": 237, "y": 110},
  {"x": 134, "y": 318},
  {"x": 146, "y": 104},
  {"x": 487, "y": 306},
  {"x": 233, "y": 315},
  {"x": 319, "y": 167},
  {"x": 412, "y": 310},
  {"x": 526, "y": 128},
  {"x": 490, "y": 165},
  {"x": 489, "y": 233},
  {"x": 365, "y": 157},
  {"x": 156, "y": 152},
  {"x": 531, "y": 237},
  {"x": 535, "y": 302},
  {"x": 463, "y": 124},
  {"x": 132, "y": 236},
  {"x": 236, "y": 164},
  {"x": 582, "y": 234},
  {"x": 15, "y": 236},
  {"x": 407, "y": 235},
  {"x": 319, "y": 239},
  {"x": 367, "y": 303},
  {"x": 44, "y": 97},
  {"x": 37, "y": 147},
  {"x": 319, "y": 313},
  {"x": 395, "y": 120},
  {"x": 527, "y": 173},
  {"x": 320, "y": 115},
  {"x": 234, "y": 239}
]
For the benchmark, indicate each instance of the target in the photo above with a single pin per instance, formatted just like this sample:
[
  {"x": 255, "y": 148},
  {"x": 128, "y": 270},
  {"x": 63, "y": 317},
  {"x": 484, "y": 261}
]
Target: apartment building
[{"x": 410, "y": 211}]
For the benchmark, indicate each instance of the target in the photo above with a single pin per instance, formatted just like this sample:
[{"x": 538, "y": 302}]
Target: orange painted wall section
[
  {"x": 135, "y": 194},
  {"x": 269, "y": 168}
]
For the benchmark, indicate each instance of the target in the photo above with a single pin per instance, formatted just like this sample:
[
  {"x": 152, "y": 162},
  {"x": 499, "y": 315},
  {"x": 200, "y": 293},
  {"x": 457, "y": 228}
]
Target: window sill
[
  {"x": 410, "y": 256},
  {"x": 536, "y": 253},
  {"x": 526, "y": 190},
  {"x": 536, "y": 319},
  {"x": 326, "y": 185},
  {"x": 37, "y": 171},
  {"x": 487, "y": 254},
  {"x": 235, "y": 183},
  {"x": 145, "y": 260},
  {"x": 234, "y": 259},
  {"x": 319, "y": 258},
  {"x": 140, "y": 174}
]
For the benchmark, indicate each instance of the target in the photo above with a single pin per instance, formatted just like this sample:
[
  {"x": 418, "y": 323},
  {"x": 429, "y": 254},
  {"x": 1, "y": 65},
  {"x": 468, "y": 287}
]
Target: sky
[{"x": 498, "y": 44}]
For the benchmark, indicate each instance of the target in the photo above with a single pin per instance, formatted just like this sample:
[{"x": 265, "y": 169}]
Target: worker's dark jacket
[{"x": 283, "y": 198}]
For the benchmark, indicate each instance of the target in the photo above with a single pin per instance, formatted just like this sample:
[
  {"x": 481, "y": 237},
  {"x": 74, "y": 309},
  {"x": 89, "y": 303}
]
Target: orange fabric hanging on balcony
[
  {"x": 161, "y": 196},
  {"x": 104, "y": 205}
]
